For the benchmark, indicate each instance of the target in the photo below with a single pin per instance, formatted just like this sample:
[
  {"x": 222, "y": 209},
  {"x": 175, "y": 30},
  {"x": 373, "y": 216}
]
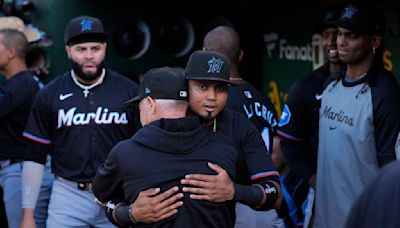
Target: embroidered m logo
[
  {"x": 86, "y": 25},
  {"x": 215, "y": 65},
  {"x": 349, "y": 12}
]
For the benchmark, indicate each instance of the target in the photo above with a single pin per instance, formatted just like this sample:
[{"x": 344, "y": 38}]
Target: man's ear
[
  {"x": 376, "y": 41},
  {"x": 151, "y": 104},
  {"x": 241, "y": 53},
  {"x": 11, "y": 53},
  {"x": 68, "y": 51}
]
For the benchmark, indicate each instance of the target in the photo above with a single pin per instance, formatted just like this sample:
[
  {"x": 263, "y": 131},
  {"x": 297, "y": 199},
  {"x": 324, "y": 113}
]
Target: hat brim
[
  {"x": 355, "y": 28},
  {"x": 134, "y": 100},
  {"x": 32, "y": 35},
  {"x": 209, "y": 79},
  {"x": 87, "y": 37},
  {"x": 319, "y": 28}
]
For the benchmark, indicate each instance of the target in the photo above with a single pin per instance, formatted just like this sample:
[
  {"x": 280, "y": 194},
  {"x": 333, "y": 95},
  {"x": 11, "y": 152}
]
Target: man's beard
[{"x": 81, "y": 74}]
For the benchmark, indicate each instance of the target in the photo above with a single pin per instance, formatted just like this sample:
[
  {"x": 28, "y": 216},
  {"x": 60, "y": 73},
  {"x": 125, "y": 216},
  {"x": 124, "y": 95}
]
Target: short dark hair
[{"x": 13, "y": 38}]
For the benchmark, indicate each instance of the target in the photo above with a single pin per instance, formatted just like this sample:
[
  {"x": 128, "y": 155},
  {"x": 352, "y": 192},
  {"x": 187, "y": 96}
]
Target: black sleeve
[
  {"x": 118, "y": 213},
  {"x": 107, "y": 183},
  {"x": 295, "y": 156},
  {"x": 13, "y": 96},
  {"x": 37, "y": 152},
  {"x": 386, "y": 100},
  {"x": 292, "y": 130},
  {"x": 258, "y": 163},
  {"x": 292, "y": 125},
  {"x": 38, "y": 131}
]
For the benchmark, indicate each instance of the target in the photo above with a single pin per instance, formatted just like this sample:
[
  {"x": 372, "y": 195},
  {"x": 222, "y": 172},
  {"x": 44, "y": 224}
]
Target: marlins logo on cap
[
  {"x": 215, "y": 65},
  {"x": 349, "y": 12},
  {"x": 208, "y": 65},
  {"x": 363, "y": 18},
  {"x": 84, "y": 29}
]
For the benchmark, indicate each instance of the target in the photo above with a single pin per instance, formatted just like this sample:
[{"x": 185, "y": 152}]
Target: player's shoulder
[
  {"x": 237, "y": 119},
  {"x": 121, "y": 79},
  {"x": 385, "y": 86},
  {"x": 54, "y": 85},
  {"x": 386, "y": 79},
  {"x": 122, "y": 148}
]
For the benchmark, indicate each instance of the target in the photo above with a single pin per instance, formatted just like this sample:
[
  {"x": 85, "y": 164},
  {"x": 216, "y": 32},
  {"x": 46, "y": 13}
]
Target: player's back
[{"x": 246, "y": 99}]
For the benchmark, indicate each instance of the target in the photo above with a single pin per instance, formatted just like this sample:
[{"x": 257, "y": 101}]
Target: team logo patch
[
  {"x": 147, "y": 90},
  {"x": 285, "y": 117},
  {"x": 349, "y": 12},
  {"x": 247, "y": 94},
  {"x": 86, "y": 25},
  {"x": 215, "y": 65}
]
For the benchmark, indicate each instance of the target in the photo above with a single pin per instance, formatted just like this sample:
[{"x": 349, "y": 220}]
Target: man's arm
[
  {"x": 107, "y": 183},
  {"x": 294, "y": 128},
  {"x": 150, "y": 206},
  {"x": 39, "y": 145},
  {"x": 12, "y": 97},
  {"x": 219, "y": 188},
  {"x": 32, "y": 175},
  {"x": 386, "y": 122}
]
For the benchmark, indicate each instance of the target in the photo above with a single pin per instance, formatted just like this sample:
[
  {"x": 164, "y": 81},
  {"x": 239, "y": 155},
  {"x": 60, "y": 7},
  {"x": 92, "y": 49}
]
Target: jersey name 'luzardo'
[{"x": 101, "y": 116}]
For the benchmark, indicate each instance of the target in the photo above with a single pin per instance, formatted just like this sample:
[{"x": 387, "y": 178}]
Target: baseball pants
[{"x": 72, "y": 207}]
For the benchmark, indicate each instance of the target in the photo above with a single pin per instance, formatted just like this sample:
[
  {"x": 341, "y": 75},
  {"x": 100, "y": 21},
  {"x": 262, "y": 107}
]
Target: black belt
[{"x": 83, "y": 186}]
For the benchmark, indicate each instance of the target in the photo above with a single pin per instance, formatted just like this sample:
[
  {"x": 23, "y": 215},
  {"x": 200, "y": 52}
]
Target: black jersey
[
  {"x": 298, "y": 126},
  {"x": 16, "y": 97},
  {"x": 246, "y": 99},
  {"x": 254, "y": 164},
  {"x": 80, "y": 131}
]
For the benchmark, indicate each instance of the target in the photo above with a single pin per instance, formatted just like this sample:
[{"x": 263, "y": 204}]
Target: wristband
[
  {"x": 130, "y": 214},
  {"x": 264, "y": 196},
  {"x": 113, "y": 214},
  {"x": 271, "y": 192}
]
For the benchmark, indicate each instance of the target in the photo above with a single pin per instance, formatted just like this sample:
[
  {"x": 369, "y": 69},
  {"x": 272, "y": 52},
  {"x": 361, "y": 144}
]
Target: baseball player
[
  {"x": 245, "y": 98},
  {"x": 298, "y": 126},
  {"x": 16, "y": 97},
  {"x": 208, "y": 77},
  {"x": 359, "y": 116},
  {"x": 77, "y": 118},
  {"x": 182, "y": 147}
]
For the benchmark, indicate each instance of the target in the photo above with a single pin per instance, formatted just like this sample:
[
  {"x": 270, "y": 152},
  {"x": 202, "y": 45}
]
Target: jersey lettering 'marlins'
[
  {"x": 338, "y": 116},
  {"x": 101, "y": 116}
]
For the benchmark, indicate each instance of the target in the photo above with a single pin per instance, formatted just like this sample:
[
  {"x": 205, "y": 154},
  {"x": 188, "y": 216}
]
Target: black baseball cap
[
  {"x": 162, "y": 83},
  {"x": 330, "y": 20},
  {"x": 208, "y": 65},
  {"x": 84, "y": 29},
  {"x": 363, "y": 18}
]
